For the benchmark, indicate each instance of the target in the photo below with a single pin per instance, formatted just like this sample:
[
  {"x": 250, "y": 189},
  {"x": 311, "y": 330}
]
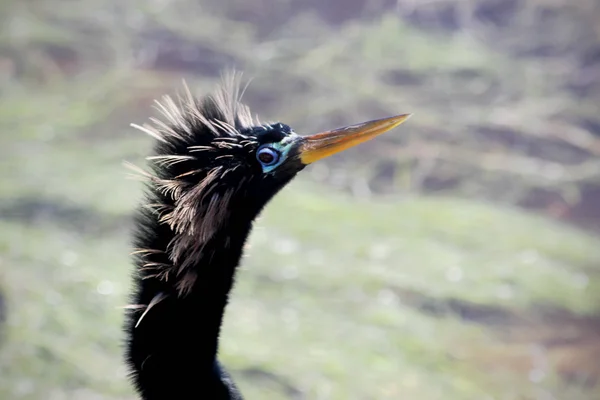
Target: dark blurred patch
[
  {"x": 266, "y": 378},
  {"x": 462, "y": 309},
  {"x": 435, "y": 15},
  {"x": 489, "y": 314},
  {"x": 475, "y": 84},
  {"x": 586, "y": 213},
  {"x": 583, "y": 213},
  {"x": 271, "y": 18},
  {"x": 66, "y": 58},
  {"x": 34, "y": 211},
  {"x": 453, "y": 15},
  {"x": 591, "y": 125},
  {"x": 402, "y": 77},
  {"x": 590, "y": 57},
  {"x": 338, "y": 12},
  {"x": 570, "y": 342},
  {"x": 583, "y": 85},
  {"x": 542, "y": 148},
  {"x": 165, "y": 50},
  {"x": 497, "y": 12}
]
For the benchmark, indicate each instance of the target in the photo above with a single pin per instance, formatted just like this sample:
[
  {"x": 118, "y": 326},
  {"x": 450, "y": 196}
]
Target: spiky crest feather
[{"x": 185, "y": 196}]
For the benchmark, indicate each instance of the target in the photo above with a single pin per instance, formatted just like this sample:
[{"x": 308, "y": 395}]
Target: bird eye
[{"x": 267, "y": 156}]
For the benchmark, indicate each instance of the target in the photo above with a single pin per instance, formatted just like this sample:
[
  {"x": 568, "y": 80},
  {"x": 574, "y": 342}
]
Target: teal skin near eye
[{"x": 278, "y": 151}]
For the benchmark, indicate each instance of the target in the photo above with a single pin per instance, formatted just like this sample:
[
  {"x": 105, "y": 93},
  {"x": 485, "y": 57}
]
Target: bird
[{"x": 212, "y": 170}]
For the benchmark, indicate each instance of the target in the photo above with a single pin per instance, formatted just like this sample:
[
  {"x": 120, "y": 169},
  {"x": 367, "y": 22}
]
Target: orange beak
[{"x": 325, "y": 144}]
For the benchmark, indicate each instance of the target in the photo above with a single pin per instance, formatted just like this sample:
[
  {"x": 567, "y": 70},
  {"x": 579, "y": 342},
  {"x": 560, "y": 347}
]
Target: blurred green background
[{"x": 456, "y": 258}]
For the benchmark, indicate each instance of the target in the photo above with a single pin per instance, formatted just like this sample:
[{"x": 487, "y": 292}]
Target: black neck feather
[{"x": 173, "y": 350}]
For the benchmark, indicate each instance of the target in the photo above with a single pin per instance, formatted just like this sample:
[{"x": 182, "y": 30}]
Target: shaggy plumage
[{"x": 191, "y": 197}]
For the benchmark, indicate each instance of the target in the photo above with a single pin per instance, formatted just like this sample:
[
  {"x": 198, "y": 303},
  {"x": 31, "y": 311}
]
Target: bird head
[
  {"x": 214, "y": 163},
  {"x": 268, "y": 156}
]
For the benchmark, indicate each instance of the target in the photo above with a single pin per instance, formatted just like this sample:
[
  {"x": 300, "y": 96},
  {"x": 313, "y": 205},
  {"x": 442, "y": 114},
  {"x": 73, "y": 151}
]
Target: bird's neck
[{"x": 173, "y": 349}]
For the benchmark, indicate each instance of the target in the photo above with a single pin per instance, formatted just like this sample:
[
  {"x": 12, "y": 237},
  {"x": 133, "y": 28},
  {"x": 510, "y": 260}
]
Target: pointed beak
[{"x": 325, "y": 144}]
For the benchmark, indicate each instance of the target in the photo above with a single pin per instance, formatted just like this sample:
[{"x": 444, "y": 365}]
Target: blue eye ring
[{"x": 268, "y": 156}]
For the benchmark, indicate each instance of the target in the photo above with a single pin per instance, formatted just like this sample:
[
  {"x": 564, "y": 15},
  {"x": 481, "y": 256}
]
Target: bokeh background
[{"x": 456, "y": 258}]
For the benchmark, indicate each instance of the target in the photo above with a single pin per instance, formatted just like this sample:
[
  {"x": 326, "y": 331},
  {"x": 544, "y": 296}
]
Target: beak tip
[{"x": 399, "y": 119}]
